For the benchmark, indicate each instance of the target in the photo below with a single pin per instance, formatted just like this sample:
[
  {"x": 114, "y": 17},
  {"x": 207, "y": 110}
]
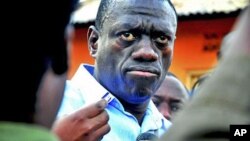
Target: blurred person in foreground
[
  {"x": 224, "y": 99},
  {"x": 132, "y": 44},
  {"x": 40, "y": 55},
  {"x": 37, "y": 73},
  {"x": 171, "y": 96},
  {"x": 220, "y": 53}
]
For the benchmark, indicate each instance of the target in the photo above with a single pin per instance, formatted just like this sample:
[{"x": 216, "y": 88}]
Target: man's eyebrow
[
  {"x": 132, "y": 24},
  {"x": 176, "y": 100},
  {"x": 163, "y": 28},
  {"x": 125, "y": 25},
  {"x": 157, "y": 96}
]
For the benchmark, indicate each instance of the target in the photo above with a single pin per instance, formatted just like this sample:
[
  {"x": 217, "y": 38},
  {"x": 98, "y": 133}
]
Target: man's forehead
[
  {"x": 147, "y": 7},
  {"x": 117, "y": 10},
  {"x": 141, "y": 2},
  {"x": 149, "y": 11},
  {"x": 154, "y": 8}
]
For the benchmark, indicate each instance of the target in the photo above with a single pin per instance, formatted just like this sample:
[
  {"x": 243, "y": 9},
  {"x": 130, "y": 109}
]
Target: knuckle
[
  {"x": 104, "y": 117},
  {"x": 87, "y": 127}
]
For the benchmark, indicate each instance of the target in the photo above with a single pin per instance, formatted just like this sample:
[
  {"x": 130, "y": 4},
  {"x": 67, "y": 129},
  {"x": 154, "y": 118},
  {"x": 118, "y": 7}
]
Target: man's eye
[
  {"x": 156, "y": 101},
  {"x": 127, "y": 36},
  {"x": 175, "y": 107},
  {"x": 162, "y": 39}
]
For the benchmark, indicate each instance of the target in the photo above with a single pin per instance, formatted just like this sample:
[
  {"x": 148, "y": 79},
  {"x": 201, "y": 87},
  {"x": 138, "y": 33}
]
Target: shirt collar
[
  {"x": 87, "y": 84},
  {"x": 153, "y": 119}
]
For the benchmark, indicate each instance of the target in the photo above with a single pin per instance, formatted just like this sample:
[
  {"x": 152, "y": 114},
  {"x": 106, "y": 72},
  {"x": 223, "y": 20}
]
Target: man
[
  {"x": 224, "y": 99},
  {"x": 224, "y": 47},
  {"x": 171, "y": 96},
  {"x": 132, "y": 43}
]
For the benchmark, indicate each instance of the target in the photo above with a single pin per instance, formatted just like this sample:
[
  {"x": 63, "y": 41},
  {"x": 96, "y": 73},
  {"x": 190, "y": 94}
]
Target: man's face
[
  {"x": 170, "y": 97},
  {"x": 135, "y": 48}
]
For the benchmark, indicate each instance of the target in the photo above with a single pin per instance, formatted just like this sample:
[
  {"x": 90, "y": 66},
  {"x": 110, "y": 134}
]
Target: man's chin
[
  {"x": 139, "y": 100},
  {"x": 141, "y": 95}
]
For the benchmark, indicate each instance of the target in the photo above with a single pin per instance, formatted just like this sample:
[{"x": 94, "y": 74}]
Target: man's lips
[{"x": 143, "y": 71}]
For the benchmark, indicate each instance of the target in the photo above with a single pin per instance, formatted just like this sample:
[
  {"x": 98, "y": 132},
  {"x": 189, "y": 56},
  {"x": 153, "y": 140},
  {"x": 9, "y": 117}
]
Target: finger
[
  {"x": 97, "y": 134},
  {"x": 94, "y": 123},
  {"x": 93, "y": 109},
  {"x": 99, "y": 120}
]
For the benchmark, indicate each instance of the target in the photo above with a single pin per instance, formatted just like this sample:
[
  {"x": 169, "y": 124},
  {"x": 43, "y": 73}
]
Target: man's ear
[{"x": 93, "y": 36}]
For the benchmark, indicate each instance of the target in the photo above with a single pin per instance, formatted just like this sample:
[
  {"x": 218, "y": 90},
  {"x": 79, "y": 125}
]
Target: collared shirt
[{"x": 83, "y": 89}]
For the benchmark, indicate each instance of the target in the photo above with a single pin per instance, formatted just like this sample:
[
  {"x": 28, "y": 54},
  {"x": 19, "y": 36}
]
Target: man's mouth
[{"x": 143, "y": 72}]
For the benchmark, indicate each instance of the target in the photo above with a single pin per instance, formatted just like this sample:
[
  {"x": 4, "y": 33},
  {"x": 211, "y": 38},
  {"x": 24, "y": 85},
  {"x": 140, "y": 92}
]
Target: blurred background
[{"x": 202, "y": 25}]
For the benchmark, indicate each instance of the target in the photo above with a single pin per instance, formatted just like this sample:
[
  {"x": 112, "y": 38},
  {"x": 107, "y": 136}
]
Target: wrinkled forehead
[
  {"x": 154, "y": 8},
  {"x": 150, "y": 14}
]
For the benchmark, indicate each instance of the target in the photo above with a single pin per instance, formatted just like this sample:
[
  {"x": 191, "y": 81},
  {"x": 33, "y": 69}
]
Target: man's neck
[{"x": 137, "y": 110}]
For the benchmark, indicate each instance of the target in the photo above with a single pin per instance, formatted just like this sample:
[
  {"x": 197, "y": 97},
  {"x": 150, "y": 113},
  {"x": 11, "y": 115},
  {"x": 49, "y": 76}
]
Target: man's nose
[
  {"x": 166, "y": 114},
  {"x": 165, "y": 111},
  {"x": 145, "y": 51}
]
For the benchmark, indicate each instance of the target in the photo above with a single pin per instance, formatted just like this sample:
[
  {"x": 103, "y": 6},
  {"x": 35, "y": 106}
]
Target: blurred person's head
[
  {"x": 224, "y": 45},
  {"x": 40, "y": 64},
  {"x": 171, "y": 96}
]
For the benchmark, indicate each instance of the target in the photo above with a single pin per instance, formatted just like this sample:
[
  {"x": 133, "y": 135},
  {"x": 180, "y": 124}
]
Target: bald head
[{"x": 171, "y": 96}]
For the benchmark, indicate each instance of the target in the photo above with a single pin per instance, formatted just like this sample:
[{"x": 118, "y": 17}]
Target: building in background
[{"x": 201, "y": 27}]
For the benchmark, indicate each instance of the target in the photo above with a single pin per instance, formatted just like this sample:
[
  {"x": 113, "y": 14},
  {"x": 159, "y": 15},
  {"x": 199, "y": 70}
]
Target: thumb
[
  {"x": 94, "y": 109},
  {"x": 101, "y": 104}
]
